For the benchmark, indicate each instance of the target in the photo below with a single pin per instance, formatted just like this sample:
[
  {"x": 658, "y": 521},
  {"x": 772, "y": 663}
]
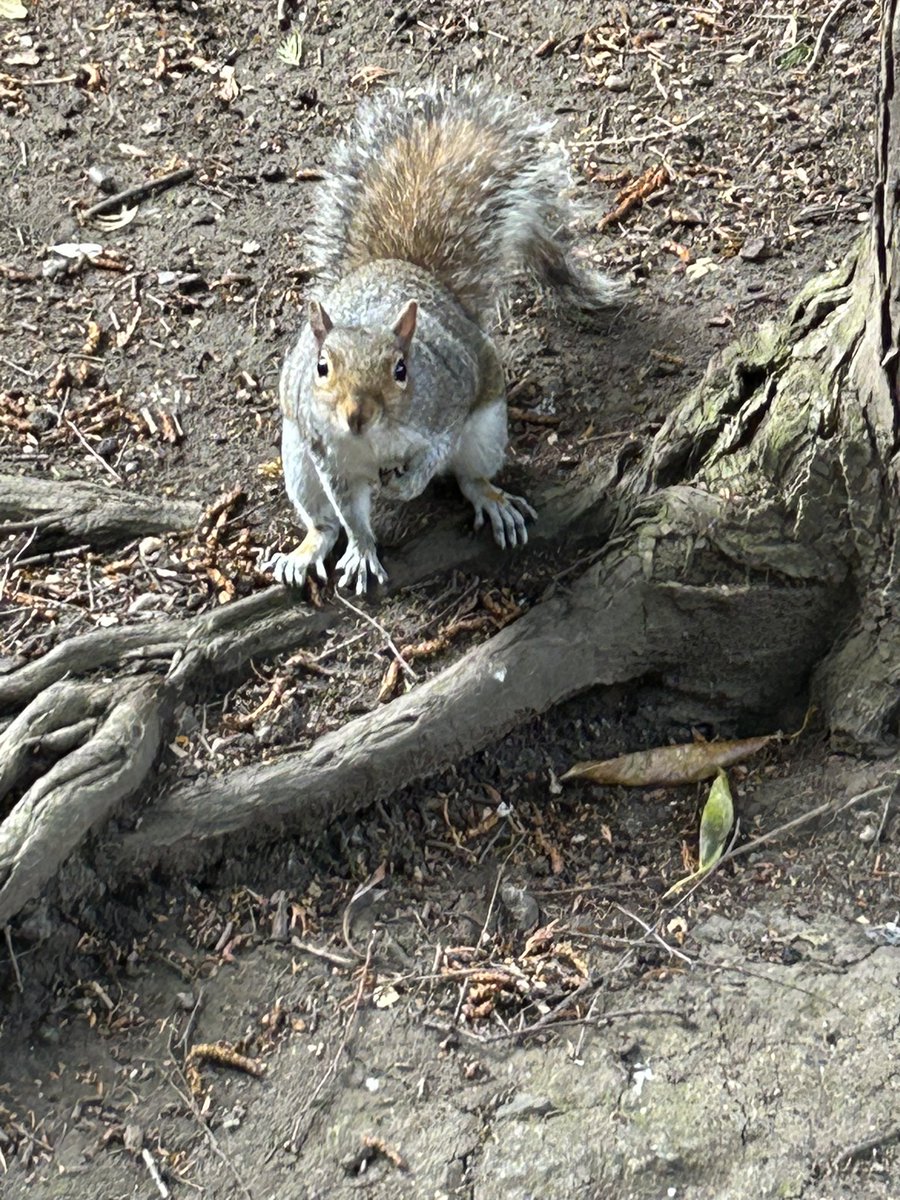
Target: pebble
[
  {"x": 102, "y": 177},
  {"x": 754, "y": 250},
  {"x": 43, "y": 419},
  {"x": 617, "y": 83},
  {"x": 107, "y": 447}
]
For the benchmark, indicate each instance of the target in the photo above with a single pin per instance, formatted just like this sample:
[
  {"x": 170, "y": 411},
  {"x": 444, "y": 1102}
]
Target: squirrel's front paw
[
  {"x": 398, "y": 483},
  {"x": 291, "y": 569},
  {"x": 357, "y": 563}
]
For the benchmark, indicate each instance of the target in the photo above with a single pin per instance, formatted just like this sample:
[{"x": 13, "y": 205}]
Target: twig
[
  {"x": 90, "y": 449},
  {"x": 822, "y": 810},
  {"x": 656, "y": 937},
  {"x": 878, "y": 1142},
  {"x": 295, "y": 1142},
  {"x": 188, "y": 1099},
  {"x": 139, "y": 192},
  {"x": 888, "y": 800},
  {"x": 391, "y": 644},
  {"x": 820, "y": 40},
  {"x": 52, "y": 556},
  {"x": 154, "y": 1173},
  {"x": 12, "y": 958},
  {"x": 47, "y": 82},
  {"x": 339, "y": 960}
]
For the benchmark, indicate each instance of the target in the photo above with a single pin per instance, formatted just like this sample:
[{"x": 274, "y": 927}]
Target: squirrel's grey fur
[{"x": 497, "y": 213}]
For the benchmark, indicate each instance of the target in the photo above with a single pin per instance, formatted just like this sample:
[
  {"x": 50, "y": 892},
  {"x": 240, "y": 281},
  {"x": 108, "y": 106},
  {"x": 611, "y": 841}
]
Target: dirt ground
[{"x": 401, "y": 997}]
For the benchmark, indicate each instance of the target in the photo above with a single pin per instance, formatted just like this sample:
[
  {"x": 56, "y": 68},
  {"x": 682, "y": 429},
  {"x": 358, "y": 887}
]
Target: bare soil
[{"x": 740, "y": 1044}]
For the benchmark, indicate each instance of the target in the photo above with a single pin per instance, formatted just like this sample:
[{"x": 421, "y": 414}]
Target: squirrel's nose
[{"x": 358, "y": 414}]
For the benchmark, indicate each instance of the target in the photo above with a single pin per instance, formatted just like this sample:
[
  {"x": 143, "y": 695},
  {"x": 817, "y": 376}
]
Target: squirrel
[{"x": 431, "y": 207}]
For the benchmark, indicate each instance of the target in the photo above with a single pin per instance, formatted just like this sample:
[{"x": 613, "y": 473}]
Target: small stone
[
  {"x": 522, "y": 908},
  {"x": 192, "y": 282},
  {"x": 617, "y": 83},
  {"x": 524, "y": 1105},
  {"x": 131, "y": 467},
  {"x": 107, "y": 447},
  {"x": 250, "y": 248},
  {"x": 43, "y": 419},
  {"x": 102, "y": 177},
  {"x": 133, "y": 1138},
  {"x": 754, "y": 250},
  {"x": 868, "y": 833},
  {"x": 148, "y": 546},
  {"x": 164, "y": 278}
]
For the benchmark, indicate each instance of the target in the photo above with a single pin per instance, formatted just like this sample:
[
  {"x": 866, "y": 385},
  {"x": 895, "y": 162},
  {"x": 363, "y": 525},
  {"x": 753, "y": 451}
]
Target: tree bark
[
  {"x": 749, "y": 556},
  {"x": 61, "y": 514}
]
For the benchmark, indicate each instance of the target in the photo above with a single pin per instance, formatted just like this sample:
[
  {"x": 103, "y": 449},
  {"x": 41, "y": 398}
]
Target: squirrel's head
[{"x": 361, "y": 375}]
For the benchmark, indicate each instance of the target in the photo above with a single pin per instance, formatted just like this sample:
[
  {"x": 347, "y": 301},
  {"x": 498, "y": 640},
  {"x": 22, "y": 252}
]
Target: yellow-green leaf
[
  {"x": 715, "y": 825},
  {"x": 716, "y": 822}
]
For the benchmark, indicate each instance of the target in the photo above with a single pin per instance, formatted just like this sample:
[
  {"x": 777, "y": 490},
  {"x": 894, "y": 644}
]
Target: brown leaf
[{"x": 669, "y": 766}]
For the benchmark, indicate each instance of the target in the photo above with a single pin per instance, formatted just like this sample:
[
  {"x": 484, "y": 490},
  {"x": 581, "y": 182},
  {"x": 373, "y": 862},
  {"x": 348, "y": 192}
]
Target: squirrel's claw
[
  {"x": 357, "y": 563},
  {"x": 506, "y": 513},
  {"x": 291, "y": 569}
]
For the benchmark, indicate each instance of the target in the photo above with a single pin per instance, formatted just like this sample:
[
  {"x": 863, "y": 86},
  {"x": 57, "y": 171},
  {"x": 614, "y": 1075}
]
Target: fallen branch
[{"x": 140, "y": 191}]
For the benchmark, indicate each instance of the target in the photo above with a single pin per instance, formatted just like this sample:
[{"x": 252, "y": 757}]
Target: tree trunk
[{"x": 749, "y": 557}]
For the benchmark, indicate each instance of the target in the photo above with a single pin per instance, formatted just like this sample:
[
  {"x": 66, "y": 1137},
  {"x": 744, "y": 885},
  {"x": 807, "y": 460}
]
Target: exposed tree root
[{"x": 75, "y": 513}]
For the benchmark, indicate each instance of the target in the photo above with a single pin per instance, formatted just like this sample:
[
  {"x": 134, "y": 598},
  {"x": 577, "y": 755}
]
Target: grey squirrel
[{"x": 431, "y": 207}]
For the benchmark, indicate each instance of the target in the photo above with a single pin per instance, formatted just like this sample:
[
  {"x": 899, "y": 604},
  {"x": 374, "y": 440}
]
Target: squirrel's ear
[
  {"x": 319, "y": 321},
  {"x": 405, "y": 325}
]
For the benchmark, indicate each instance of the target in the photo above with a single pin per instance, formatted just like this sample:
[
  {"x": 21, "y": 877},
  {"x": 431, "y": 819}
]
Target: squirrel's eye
[
  {"x": 321, "y": 368},
  {"x": 400, "y": 371}
]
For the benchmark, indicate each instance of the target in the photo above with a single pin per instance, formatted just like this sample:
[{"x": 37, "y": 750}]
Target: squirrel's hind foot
[
  {"x": 292, "y": 568},
  {"x": 506, "y": 513}
]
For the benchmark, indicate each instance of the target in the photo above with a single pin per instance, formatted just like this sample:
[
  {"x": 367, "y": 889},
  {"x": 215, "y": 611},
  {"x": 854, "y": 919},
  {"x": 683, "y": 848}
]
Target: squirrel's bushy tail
[{"x": 464, "y": 184}]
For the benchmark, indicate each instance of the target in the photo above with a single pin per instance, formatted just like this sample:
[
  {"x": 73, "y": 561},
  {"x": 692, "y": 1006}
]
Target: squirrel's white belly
[{"x": 383, "y": 447}]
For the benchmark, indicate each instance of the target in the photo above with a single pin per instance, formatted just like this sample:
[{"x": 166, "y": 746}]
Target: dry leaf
[
  {"x": 291, "y": 49},
  {"x": 385, "y": 995},
  {"x": 76, "y": 249},
  {"x": 669, "y": 766},
  {"x": 228, "y": 89},
  {"x": 117, "y": 220},
  {"x": 13, "y": 10},
  {"x": 23, "y": 58},
  {"x": 703, "y": 266},
  {"x": 367, "y": 76},
  {"x": 270, "y": 470}
]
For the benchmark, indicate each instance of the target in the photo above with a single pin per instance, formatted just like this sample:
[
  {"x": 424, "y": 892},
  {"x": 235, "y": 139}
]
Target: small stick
[
  {"x": 188, "y": 1099},
  {"x": 46, "y": 82},
  {"x": 139, "y": 192},
  {"x": 392, "y": 645},
  {"x": 12, "y": 958},
  {"x": 90, "y": 449},
  {"x": 154, "y": 1173},
  {"x": 820, "y": 40},
  {"x": 651, "y": 932}
]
